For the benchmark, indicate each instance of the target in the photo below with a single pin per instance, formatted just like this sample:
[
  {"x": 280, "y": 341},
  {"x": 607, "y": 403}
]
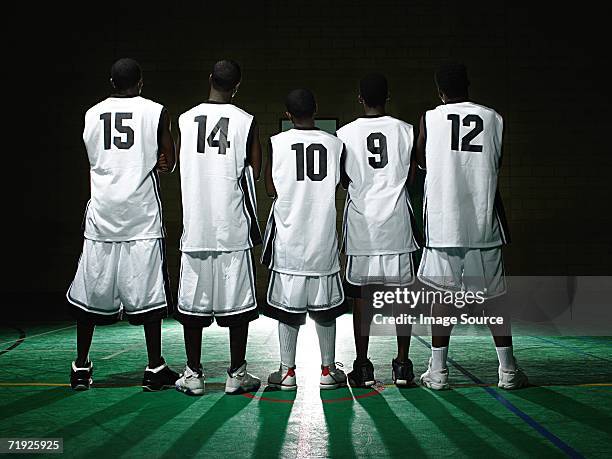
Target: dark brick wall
[{"x": 540, "y": 70}]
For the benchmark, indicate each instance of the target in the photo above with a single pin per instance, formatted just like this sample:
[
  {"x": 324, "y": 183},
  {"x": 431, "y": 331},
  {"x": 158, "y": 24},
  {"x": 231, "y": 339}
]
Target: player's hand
[{"x": 162, "y": 164}]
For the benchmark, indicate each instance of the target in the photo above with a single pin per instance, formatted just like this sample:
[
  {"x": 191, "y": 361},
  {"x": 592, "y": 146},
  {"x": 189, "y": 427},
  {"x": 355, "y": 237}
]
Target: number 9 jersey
[
  {"x": 121, "y": 139},
  {"x": 377, "y": 216}
]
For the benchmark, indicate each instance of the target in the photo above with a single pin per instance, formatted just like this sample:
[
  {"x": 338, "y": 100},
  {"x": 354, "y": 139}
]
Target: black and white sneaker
[
  {"x": 81, "y": 378},
  {"x": 156, "y": 379},
  {"x": 402, "y": 373},
  {"x": 362, "y": 374}
]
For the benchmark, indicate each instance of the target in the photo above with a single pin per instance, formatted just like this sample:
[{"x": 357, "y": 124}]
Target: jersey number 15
[{"x": 120, "y": 128}]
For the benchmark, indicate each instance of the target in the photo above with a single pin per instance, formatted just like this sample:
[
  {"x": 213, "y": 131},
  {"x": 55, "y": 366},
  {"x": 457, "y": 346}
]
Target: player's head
[
  {"x": 301, "y": 104},
  {"x": 225, "y": 76},
  {"x": 452, "y": 81},
  {"x": 126, "y": 74},
  {"x": 373, "y": 90}
]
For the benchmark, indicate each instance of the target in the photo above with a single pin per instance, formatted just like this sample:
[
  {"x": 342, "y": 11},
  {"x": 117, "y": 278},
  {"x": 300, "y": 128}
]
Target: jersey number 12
[{"x": 466, "y": 144}]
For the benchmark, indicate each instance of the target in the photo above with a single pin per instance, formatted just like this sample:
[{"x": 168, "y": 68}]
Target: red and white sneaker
[
  {"x": 332, "y": 377},
  {"x": 283, "y": 379}
]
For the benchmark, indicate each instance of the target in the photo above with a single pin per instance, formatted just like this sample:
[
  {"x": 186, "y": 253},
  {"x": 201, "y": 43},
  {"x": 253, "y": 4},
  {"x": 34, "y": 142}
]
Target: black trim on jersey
[
  {"x": 373, "y": 116},
  {"x": 85, "y": 215},
  {"x": 345, "y": 223},
  {"x": 424, "y": 118},
  {"x": 249, "y": 210},
  {"x": 460, "y": 101},
  {"x": 157, "y": 191},
  {"x": 425, "y": 222},
  {"x": 500, "y": 215},
  {"x": 123, "y": 96},
  {"x": 314, "y": 128},
  {"x": 267, "y": 256},
  {"x": 417, "y": 236},
  {"x": 208, "y": 101}
]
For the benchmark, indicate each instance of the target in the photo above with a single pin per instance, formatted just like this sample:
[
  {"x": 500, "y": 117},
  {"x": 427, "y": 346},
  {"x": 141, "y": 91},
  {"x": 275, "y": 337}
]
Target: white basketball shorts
[
  {"x": 391, "y": 269},
  {"x": 116, "y": 277},
  {"x": 216, "y": 284},
  {"x": 464, "y": 269}
]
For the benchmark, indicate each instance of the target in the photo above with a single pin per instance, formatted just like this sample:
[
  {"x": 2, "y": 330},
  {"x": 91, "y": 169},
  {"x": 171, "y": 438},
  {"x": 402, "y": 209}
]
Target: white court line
[
  {"x": 108, "y": 357},
  {"x": 28, "y": 337}
]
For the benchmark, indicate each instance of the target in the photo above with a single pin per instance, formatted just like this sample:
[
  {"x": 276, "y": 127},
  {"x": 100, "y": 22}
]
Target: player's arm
[
  {"x": 419, "y": 147},
  {"x": 254, "y": 154},
  {"x": 270, "y": 188},
  {"x": 166, "y": 159},
  {"x": 344, "y": 178}
]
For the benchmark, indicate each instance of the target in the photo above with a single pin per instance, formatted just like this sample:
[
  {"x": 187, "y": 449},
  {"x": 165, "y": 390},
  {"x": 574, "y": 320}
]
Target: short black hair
[
  {"x": 226, "y": 75},
  {"x": 374, "y": 89},
  {"x": 451, "y": 78},
  {"x": 125, "y": 73},
  {"x": 301, "y": 103}
]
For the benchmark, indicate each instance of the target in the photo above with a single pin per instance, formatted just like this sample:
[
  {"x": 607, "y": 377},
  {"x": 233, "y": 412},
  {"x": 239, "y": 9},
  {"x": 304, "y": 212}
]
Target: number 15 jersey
[
  {"x": 462, "y": 155},
  {"x": 121, "y": 139},
  {"x": 301, "y": 234}
]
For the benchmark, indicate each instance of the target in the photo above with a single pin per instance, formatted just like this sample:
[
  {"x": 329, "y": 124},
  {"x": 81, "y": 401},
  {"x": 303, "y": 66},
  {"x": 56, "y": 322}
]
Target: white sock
[
  {"x": 287, "y": 337},
  {"x": 438, "y": 357},
  {"x": 327, "y": 342},
  {"x": 506, "y": 358}
]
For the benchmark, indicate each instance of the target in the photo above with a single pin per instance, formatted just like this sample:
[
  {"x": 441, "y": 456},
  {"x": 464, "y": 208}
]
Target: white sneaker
[
  {"x": 435, "y": 379},
  {"x": 283, "y": 379},
  {"x": 332, "y": 377},
  {"x": 240, "y": 381},
  {"x": 191, "y": 382},
  {"x": 512, "y": 379}
]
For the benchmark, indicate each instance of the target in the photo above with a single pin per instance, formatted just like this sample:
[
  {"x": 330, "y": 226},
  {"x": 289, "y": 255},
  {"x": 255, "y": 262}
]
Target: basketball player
[
  {"x": 220, "y": 156},
  {"x": 122, "y": 269},
  {"x": 378, "y": 236},
  {"x": 460, "y": 143},
  {"x": 301, "y": 246}
]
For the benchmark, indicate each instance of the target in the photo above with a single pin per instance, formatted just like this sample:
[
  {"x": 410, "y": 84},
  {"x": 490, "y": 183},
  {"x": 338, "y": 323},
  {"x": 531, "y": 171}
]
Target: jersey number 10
[{"x": 309, "y": 159}]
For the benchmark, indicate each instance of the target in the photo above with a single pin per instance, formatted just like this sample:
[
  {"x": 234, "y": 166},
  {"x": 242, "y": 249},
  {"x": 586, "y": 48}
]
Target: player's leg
[
  {"x": 235, "y": 306},
  {"x": 144, "y": 291},
  {"x": 284, "y": 378},
  {"x": 194, "y": 312},
  {"x": 94, "y": 299},
  {"x": 286, "y": 303},
  {"x": 511, "y": 376},
  {"x": 362, "y": 374},
  {"x": 85, "y": 331},
  {"x": 325, "y": 301}
]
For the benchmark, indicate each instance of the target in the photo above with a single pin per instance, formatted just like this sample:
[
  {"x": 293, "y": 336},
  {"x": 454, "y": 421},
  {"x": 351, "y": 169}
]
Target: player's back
[
  {"x": 305, "y": 172},
  {"x": 463, "y": 152},
  {"x": 377, "y": 214},
  {"x": 121, "y": 135},
  {"x": 218, "y": 194}
]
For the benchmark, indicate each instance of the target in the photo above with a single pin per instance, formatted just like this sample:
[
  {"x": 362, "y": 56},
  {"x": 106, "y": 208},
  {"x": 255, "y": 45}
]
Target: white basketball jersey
[
  {"x": 218, "y": 191},
  {"x": 463, "y": 152},
  {"x": 377, "y": 216},
  {"x": 121, "y": 139},
  {"x": 301, "y": 232}
]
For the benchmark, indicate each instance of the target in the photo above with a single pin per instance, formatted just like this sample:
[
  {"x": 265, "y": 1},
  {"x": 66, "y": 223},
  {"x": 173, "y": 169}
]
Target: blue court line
[
  {"x": 567, "y": 449},
  {"x": 572, "y": 348}
]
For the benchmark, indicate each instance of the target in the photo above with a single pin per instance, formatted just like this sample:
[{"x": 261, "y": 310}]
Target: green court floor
[{"x": 567, "y": 411}]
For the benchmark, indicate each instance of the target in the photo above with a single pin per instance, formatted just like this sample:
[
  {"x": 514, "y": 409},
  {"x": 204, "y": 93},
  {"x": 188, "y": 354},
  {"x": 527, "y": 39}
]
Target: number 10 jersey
[
  {"x": 120, "y": 136},
  {"x": 301, "y": 236}
]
